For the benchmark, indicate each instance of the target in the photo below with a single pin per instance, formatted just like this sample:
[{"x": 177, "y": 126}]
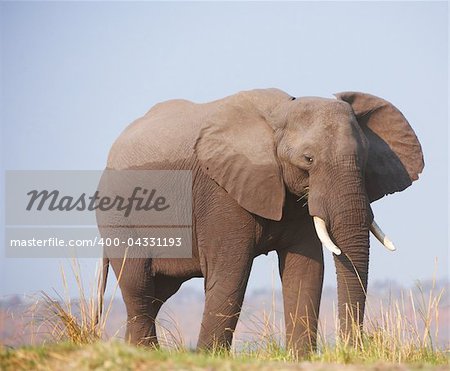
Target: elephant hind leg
[
  {"x": 138, "y": 292},
  {"x": 165, "y": 287}
]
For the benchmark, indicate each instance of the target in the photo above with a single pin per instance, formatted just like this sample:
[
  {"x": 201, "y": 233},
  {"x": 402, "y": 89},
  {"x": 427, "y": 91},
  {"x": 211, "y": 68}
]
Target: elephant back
[{"x": 163, "y": 138}]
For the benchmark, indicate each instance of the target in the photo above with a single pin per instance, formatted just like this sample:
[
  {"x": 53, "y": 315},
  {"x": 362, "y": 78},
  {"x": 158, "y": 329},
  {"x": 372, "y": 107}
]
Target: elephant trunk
[
  {"x": 347, "y": 213},
  {"x": 352, "y": 268}
]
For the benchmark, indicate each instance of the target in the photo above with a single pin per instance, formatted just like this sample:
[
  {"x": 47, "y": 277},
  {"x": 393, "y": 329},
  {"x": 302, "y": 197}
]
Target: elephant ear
[
  {"x": 236, "y": 148},
  {"x": 395, "y": 156}
]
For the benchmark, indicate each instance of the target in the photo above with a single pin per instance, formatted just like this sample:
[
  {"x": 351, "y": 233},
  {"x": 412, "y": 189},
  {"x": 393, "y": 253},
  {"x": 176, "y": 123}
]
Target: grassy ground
[
  {"x": 119, "y": 356},
  {"x": 391, "y": 340}
]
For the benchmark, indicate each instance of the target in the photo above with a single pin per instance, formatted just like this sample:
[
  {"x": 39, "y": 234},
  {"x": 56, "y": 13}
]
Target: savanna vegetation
[{"x": 391, "y": 339}]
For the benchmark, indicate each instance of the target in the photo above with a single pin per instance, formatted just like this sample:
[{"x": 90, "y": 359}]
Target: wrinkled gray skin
[{"x": 253, "y": 156}]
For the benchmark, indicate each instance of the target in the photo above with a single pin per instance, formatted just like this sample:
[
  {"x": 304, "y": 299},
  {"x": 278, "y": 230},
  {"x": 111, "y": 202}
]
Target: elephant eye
[{"x": 309, "y": 159}]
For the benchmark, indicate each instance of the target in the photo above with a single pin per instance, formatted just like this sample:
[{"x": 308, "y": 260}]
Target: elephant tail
[{"x": 102, "y": 279}]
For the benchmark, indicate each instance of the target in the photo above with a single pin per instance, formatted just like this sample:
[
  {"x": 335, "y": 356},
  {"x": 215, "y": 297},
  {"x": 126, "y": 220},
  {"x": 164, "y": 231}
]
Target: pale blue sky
[{"x": 73, "y": 75}]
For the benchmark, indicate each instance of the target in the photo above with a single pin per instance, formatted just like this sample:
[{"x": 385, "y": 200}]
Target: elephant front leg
[
  {"x": 224, "y": 294},
  {"x": 301, "y": 270}
]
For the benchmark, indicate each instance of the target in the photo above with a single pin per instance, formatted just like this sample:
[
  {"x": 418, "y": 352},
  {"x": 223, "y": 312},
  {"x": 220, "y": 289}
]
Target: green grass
[{"x": 120, "y": 356}]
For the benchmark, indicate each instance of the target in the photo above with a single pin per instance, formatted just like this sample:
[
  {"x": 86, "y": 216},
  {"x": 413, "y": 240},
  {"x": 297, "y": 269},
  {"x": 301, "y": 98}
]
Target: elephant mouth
[{"x": 328, "y": 243}]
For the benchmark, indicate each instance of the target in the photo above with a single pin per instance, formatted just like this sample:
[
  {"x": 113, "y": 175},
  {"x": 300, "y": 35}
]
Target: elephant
[{"x": 270, "y": 172}]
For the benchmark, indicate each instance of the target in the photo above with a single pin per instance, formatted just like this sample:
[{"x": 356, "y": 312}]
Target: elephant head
[{"x": 342, "y": 153}]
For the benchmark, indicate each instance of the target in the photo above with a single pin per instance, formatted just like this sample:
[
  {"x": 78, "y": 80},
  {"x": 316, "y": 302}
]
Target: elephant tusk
[
  {"x": 379, "y": 234},
  {"x": 324, "y": 237}
]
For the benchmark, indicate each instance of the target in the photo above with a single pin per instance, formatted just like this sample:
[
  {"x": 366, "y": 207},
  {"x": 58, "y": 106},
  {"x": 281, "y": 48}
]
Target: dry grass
[
  {"x": 390, "y": 335},
  {"x": 83, "y": 321},
  {"x": 403, "y": 331},
  {"x": 72, "y": 321}
]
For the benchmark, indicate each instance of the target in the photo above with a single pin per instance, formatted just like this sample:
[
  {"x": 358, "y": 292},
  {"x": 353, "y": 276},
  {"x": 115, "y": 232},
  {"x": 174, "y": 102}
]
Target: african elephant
[{"x": 270, "y": 172}]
